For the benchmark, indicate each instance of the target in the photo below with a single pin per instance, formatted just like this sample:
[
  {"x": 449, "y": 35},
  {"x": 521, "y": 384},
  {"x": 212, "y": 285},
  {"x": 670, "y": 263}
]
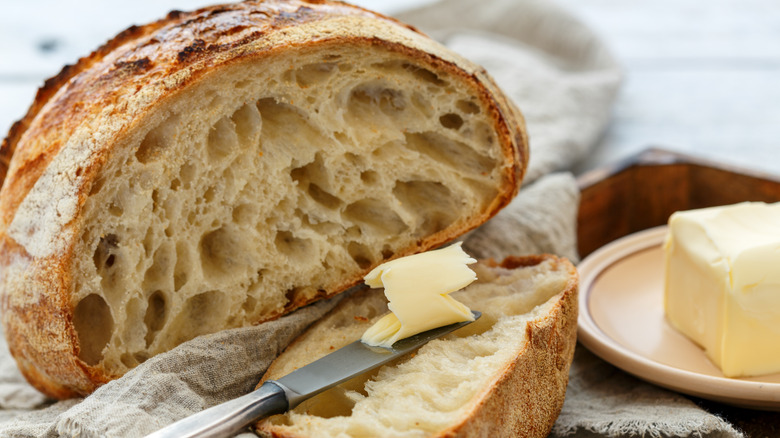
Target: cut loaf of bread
[
  {"x": 502, "y": 376},
  {"x": 222, "y": 167}
]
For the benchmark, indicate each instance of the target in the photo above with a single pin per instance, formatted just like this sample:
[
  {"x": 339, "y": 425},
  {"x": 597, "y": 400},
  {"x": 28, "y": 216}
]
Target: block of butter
[
  {"x": 722, "y": 284},
  {"x": 417, "y": 288}
]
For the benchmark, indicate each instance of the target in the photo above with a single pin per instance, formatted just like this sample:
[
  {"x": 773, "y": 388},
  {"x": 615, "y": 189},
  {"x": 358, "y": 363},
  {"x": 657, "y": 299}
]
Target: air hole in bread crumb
[
  {"x": 104, "y": 251},
  {"x": 424, "y": 74},
  {"x": 140, "y": 357},
  {"x": 432, "y": 200},
  {"x": 210, "y": 194},
  {"x": 297, "y": 249},
  {"x": 369, "y": 177},
  {"x": 324, "y": 198},
  {"x": 188, "y": 173},
  {"x": 223, "y": 252},
  {"x": 312, "y": 74},
  {"x": 222, "y": 139},
  {"x": 467, "y": 107},
  {"x": 86, "y": 236},
  {"x": 387, "y": 252},
  {"x": 248, "y": 124},
  {"x": 128, "y": 360},
  {"x": 314, "y": 171},
  {"x": 361, "y": 254},
  {"x": 94, "y": 325},
  {"x": 375, "y": 214},
  {"x": 320, "y": 225},
  {"x": 249, "y": 305},
  {"x": 388, "y": 100},
  {"x": 289, "y": 294},
  {"x": 201, "y": 314},
  {"x": 158, "y": 140},
  {"x": 158, "y": 274},
  {"x": 353, "y": 232},
  {"x": 240, "y": 85},
  {"x": 288, "y": 76},
  {"x": 355, "y": 160},
  {"x": 183, "y": 265},
  {"x": 341, "y": 137},
  {"x": 149, "y": 242},
  {"x": 96, "y": 186},
  {"x": 155, "y": 200},
  {"x": 456, "y": 154},
  {"x": 116, "y": 209},
  {"x": 451, "y": 121},
  {"x": 156, "y": 311},
  {"x": 308, "y": 292}
]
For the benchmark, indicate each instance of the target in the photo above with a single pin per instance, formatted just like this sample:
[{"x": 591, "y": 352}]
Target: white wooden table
[{"x": 702, "y": 77}]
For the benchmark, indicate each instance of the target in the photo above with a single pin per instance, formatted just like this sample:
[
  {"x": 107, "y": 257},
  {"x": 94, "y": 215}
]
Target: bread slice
[
  {"x": 504, "y": 375},
  {"x": 222, "y": 167}
]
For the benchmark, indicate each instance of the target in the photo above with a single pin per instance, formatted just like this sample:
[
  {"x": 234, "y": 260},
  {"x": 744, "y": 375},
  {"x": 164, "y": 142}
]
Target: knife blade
[{"x": 278, "y": 396}]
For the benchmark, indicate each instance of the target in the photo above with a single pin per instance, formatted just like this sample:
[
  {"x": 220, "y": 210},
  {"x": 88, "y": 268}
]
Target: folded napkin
[{"x": 564, "y": 81}]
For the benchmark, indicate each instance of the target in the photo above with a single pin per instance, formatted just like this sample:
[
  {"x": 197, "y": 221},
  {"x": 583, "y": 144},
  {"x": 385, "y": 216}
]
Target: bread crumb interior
[{"x": 270, "y": 183}]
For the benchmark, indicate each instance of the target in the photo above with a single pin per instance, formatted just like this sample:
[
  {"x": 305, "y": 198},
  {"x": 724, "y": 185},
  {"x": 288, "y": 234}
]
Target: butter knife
[{"x": 278, "y": 396}]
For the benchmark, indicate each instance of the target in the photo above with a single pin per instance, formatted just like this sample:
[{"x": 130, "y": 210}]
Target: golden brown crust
[{"x": 147, "y": 65}]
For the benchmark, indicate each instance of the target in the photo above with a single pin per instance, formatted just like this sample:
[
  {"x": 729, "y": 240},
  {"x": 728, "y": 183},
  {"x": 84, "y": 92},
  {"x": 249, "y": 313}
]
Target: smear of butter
[
  {"x": 722, "y": 284},
  {"x": 418, "y": 289}
]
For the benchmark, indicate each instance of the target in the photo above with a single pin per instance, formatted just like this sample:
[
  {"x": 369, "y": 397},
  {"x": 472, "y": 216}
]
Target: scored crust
[
  {"x": 52, "y": 159},
  {"x": 523, "y": 390}
]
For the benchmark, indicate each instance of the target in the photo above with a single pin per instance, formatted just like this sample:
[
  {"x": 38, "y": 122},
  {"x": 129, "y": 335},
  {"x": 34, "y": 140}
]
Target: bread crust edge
[{"x": 528, "y": 397}]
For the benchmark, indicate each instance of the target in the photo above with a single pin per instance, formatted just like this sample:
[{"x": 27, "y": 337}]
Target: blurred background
[{"x": 700, "y": 77}]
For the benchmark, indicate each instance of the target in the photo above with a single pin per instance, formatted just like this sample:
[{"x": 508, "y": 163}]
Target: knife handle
[{"x": 228, "y": 418}]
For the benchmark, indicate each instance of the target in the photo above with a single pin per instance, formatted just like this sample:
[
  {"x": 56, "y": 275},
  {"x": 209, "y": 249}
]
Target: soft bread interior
[
  {"x": 268, "y": 183},
  {"x": 437, "y": 386}
]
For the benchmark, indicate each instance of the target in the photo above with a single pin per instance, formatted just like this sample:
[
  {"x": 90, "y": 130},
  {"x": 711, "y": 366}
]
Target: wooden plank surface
[{"x": 644, "y": 190}]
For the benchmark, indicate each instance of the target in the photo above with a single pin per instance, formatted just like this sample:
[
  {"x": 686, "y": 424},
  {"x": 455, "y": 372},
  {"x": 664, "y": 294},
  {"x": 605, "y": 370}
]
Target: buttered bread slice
[
  {"x": 222, "y": 167},
  {"x": 504, "y": 375}
]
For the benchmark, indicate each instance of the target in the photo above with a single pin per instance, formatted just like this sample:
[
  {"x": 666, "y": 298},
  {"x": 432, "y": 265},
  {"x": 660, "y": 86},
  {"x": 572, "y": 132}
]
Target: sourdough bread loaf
[
  {"x": 504, "y": 375},
  {"x": 225, "y": 166}
]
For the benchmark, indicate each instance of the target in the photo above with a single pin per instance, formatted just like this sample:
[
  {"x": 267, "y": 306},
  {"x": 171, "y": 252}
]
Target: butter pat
[
  {"x": 417, "y": 289},
  {"x": 722, "y": 284}
]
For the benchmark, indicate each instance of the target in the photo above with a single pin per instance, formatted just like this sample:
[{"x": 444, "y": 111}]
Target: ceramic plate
[{"x": 622, "y": 321}]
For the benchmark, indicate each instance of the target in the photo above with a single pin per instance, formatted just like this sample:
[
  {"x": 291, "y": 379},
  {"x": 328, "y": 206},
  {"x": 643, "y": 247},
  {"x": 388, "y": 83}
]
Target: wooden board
[{"x": 644, "y": 190}]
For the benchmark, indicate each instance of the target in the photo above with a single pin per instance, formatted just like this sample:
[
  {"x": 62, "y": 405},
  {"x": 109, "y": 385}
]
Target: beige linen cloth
[{"x": 565, "y": 82}]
